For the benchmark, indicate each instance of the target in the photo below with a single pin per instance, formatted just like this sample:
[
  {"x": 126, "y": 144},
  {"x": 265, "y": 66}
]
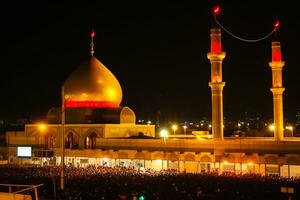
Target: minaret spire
[{"x": 92, "y": 42}]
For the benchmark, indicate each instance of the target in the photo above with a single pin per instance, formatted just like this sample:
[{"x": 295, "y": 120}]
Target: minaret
[
  {"x": 216, "y": 57},
  {"x": 277, "y": 89}
]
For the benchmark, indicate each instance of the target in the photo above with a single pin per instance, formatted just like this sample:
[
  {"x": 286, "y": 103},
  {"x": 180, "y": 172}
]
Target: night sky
[{"x": 156, "y": 50}]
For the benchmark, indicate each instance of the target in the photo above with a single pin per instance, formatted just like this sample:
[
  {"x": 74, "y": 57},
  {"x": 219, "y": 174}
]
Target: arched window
[
  {"x": 71, "y": 142},
  {"x": 90, "y": 141},
  {"x": 50, "y": 141}
]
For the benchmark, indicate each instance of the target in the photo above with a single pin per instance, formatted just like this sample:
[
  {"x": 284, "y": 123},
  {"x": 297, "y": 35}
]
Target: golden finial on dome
[{"x": 92, "y": 42}]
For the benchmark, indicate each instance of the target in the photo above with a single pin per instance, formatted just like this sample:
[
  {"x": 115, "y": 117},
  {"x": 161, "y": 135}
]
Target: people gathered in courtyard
[{"x": 129, "y": 184}]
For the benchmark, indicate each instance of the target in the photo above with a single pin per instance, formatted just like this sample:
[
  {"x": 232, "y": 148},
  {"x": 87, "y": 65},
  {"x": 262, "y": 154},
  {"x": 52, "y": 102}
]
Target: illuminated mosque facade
[{"x": 91, "y": 128}]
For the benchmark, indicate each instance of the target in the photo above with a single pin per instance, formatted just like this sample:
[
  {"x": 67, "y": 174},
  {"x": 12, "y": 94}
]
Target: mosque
[{"x": 92, "y": 128}]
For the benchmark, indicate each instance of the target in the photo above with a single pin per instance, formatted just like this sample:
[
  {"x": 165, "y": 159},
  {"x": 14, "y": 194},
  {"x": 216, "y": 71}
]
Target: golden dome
[{"x": 92, "y": 85}]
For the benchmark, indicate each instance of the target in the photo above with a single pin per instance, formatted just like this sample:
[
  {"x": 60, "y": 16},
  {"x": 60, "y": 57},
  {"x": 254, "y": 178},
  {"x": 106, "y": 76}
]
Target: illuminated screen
[{"x": 24, "y": 152}]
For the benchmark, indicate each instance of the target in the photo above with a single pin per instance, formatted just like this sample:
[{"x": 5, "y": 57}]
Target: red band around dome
[{"x": 90, "y": 104}]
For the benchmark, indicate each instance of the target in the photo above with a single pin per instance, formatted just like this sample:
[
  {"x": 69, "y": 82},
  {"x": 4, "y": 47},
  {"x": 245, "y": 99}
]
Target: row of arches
[
  {"x": 72, "y": 141},
  {"x": 158, "y": 156},
  {"x": 268, "y": 159}
]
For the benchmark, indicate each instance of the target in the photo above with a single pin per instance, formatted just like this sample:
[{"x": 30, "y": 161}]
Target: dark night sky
[{"x": 156, "y": 50}]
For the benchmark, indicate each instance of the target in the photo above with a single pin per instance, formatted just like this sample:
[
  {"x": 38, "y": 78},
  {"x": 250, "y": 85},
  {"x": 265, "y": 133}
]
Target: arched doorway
[{"x": 90, "y": 141}]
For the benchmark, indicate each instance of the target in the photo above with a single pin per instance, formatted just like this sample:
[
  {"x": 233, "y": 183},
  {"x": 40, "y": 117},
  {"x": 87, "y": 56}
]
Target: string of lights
[{"x": 217, "y": 10}]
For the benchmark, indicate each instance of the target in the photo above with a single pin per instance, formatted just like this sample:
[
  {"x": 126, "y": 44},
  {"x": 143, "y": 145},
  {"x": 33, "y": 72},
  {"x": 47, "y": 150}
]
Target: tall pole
[
  {"x": 277, "y": 89},
  {"x": 62, "y": 163},
  {"x": 216, "y": 57}
]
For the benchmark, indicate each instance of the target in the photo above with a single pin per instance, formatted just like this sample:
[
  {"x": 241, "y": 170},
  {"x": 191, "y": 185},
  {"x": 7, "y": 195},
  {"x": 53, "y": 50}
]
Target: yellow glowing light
[
  {"x": 174, "y": 127},
  {"x": 289, "y": 128},
  {"x": 164, "y": 133},
  {"x": 271, "y": 127},
  {"x": 250, "y": 164},
  {"x": 185, "y": 127},
  {"x": 209, "y": 125},
  {"x": 42, "y": 127},
  {"x": 239, "y": 125},
  {"x": 225, "y": 162}
]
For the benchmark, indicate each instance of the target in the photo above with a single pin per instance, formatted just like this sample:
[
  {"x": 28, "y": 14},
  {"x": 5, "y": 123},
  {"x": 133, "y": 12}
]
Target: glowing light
[
  {"x": 93, "y": 34},
  {"x": 184, "y": 128},
  {"x": 276, "y": 24},
  {"x": 216, "y": 10},
  {"x": 141, "y": 198},
  {"x": 271, "y": 127},
  {"x": 225, "y": 162},
  {"x": 276, "y": 52},
  {"x": 42, "y": 127},
  {"x": 250, "y": 164},
  {"x": 149, "y": 122},
  {"x": 174, "y": 127},
  {"x": 289, "y": 128},
  {"x": 215, "y": 40},
  {"x": 209, "y": 126},
  {"x": 239, "y": 125},
  {"x": 87, "y": 141},
  {"x": 164, "y": 133},
  {"x": 215, "y": 46}
]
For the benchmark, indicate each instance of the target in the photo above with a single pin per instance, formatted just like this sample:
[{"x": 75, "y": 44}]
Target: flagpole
[{"x": 62, "y": 163}]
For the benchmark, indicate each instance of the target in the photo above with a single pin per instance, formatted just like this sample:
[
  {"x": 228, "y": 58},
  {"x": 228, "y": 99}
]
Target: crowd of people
[{"x": 128, "y": 184}]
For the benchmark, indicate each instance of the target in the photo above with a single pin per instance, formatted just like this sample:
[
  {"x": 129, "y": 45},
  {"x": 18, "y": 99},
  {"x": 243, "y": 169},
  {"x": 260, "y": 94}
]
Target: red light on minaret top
[
  {"x": 93, "y": 34},
  {"x": 276, "y": 25},
  {"x": 92, "y": 42},
  {"x": 216, "y": 10},
  {"x": 276, "y": 51},
  {"x": 215, "y": 40}
]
